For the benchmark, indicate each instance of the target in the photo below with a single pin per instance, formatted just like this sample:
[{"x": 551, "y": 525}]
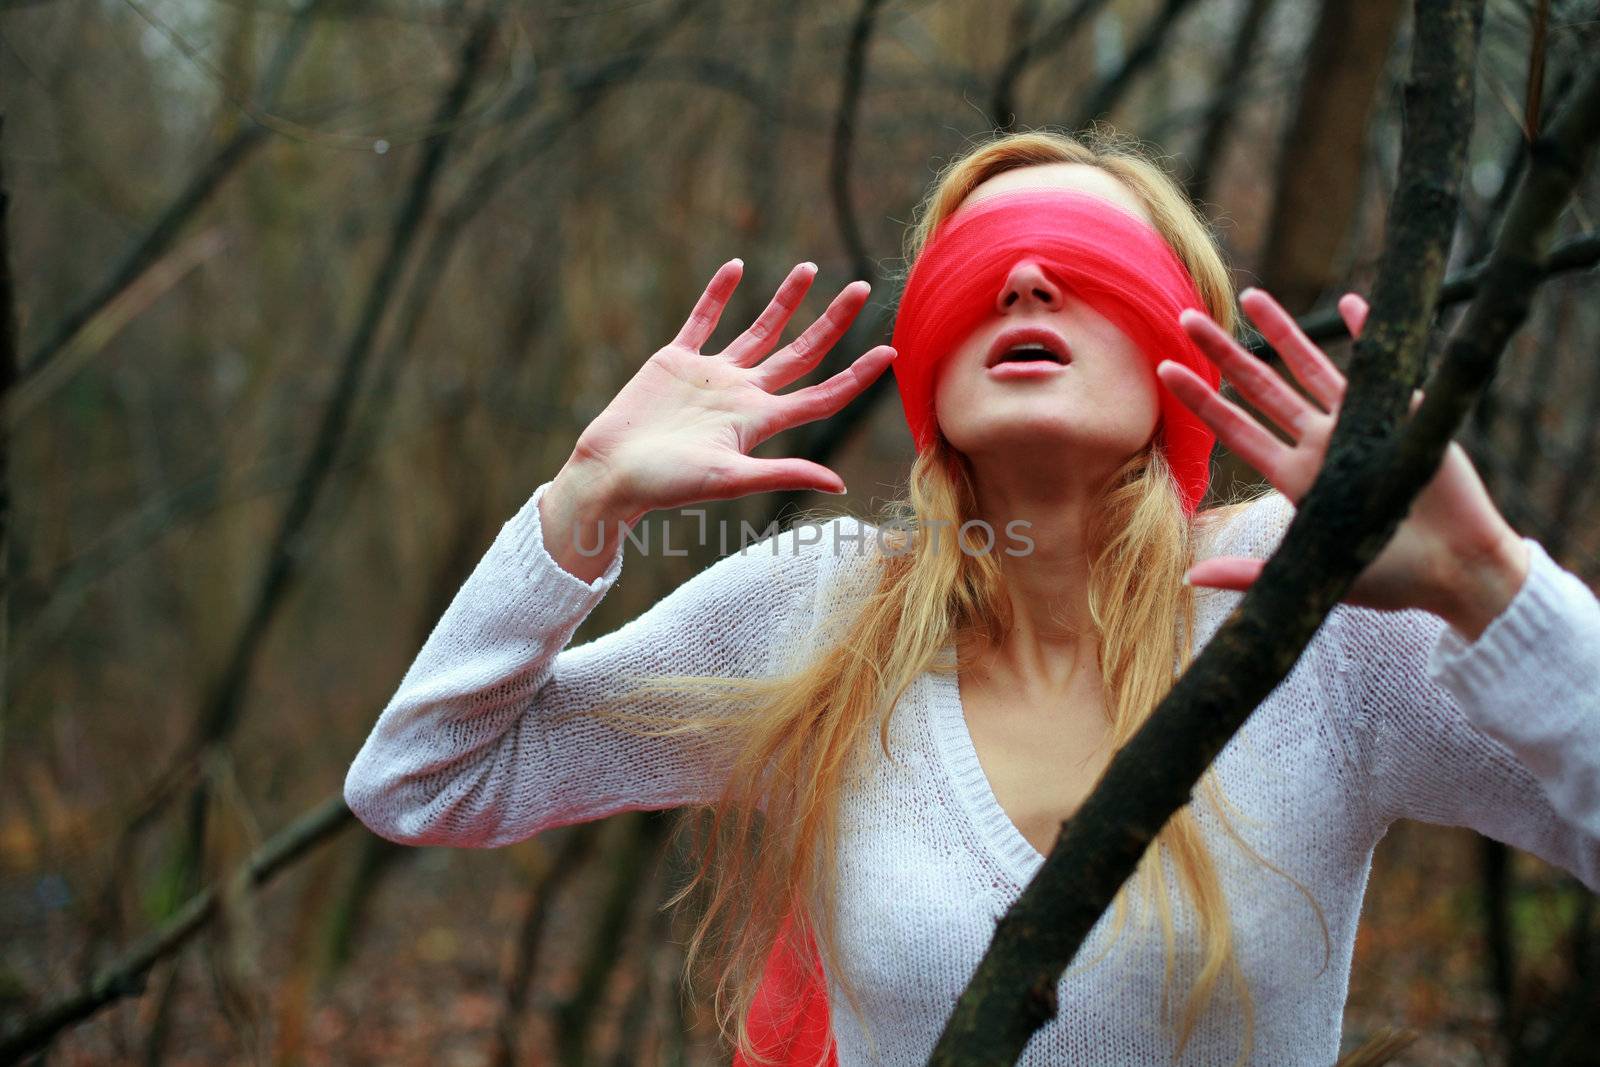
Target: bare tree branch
[
  {"x": 8, "y": 380},
  {"x": 152, "y": 246},
  {"x": 1002, "y": 109},
  {"x": 630, "y": 861},
  {"x": 220, "y": 713},
  {"x": 822, "y": 439},
  {"x": 589, "y": 89},
  {"x": 1536, "y": 57},
  {"x": 126, "y": 975},
  {"x": 1231, "y": 83},
  {"x": 1319, "y": 168},
  {"x": 577, "y": 843},
  {"x": 1578, "y": 253},
  {"x": 855, "y": 72},
  {"x": 1104, "y": 97},
  {"x": 1508, "y": 280}
]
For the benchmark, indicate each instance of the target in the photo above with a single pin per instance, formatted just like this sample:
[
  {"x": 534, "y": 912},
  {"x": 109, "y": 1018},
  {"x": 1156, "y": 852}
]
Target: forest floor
[{"x": 425, "y": 983}]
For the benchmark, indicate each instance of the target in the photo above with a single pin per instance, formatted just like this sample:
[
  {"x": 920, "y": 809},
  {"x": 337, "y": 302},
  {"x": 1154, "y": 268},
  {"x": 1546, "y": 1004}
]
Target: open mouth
[
  {"x": 1029, "y": 344},
  {"x": 1030, "y": 354}
]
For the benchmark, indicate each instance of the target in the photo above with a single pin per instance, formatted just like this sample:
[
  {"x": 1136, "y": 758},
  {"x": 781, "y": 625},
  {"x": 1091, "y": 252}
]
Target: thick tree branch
[{"x": 1335, "y": 532}]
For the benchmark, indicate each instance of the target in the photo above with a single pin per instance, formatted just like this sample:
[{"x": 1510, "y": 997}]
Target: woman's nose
[{"x": 1028, "y": 285}]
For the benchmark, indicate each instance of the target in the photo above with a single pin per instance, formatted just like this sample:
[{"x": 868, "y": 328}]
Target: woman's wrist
[
  {"x": 1485, "y": 582},
  {"x": 583, "y": 517},
  {"x": 589, "y": 490}
]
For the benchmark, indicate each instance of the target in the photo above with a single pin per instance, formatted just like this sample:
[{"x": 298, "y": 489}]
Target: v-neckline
[{"x": 954, "y": 737}]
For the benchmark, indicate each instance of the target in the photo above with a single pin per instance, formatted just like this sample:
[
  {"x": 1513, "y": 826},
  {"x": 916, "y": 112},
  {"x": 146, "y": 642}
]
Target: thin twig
[
  {"x": 1577, "y": 253},
  {"x": 1536, "y": 54}
]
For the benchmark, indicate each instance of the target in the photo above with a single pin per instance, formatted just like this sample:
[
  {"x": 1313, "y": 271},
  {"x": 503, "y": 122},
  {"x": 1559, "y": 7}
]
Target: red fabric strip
[
  {"x": 1110, "y": 259},
  {"x": 789, "y": 1017}
]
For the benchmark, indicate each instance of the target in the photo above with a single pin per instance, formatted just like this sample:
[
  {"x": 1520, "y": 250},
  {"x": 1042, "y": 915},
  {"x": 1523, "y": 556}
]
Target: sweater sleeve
[
  {"x": 1501, "y": 734},
  {"x": 486, "y": 740}
]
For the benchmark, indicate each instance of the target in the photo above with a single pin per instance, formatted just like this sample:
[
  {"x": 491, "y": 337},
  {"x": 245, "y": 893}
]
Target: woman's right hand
[{"x": 679, "y": 432}]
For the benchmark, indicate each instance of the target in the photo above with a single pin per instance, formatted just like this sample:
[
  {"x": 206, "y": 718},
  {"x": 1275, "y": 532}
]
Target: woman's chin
[{"x": 1037, "y": 436}]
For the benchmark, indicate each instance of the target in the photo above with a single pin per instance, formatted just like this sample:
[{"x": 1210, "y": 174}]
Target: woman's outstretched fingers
[
  {"x": 804, "y": 352},
  {"x": 753, "y": 475},
  {"x": 702, "y": 321},
  {"x": 749, "y": 347},
  {"x": 1236, "y": 430},
  {"x": 1225, "y": 572},
  {"x": 829, "y": 396},
  {"x": 1311, "y": 367},
  {"x": 1353, "y": 310},
  {"x": 1256, "y": 382}
]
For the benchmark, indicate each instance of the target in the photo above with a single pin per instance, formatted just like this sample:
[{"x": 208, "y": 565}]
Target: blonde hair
[{"x": 791, "y": 741}]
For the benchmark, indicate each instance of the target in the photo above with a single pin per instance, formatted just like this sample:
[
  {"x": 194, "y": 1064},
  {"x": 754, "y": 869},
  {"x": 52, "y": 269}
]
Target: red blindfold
[{"x": 1110, "y": 259}]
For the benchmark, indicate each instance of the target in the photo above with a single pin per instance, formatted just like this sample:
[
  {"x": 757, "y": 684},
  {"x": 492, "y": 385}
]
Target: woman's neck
[{"x": 1048, "y": 582}]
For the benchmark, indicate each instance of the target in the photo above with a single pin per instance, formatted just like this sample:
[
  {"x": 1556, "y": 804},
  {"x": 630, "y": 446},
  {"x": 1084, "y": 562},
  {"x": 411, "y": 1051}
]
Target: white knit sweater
[{"x": 1386, "y": 716}]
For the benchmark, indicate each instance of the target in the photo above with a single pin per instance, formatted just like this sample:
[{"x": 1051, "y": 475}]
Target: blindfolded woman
[{"x": 886, "y": 723}]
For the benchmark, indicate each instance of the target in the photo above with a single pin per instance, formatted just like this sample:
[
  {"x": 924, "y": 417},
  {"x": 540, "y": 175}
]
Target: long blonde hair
[{"x": 768, "y": 846}]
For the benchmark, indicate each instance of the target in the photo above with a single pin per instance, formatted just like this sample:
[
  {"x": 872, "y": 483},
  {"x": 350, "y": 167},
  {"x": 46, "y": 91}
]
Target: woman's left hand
[{"x": 1453, "y": 554}]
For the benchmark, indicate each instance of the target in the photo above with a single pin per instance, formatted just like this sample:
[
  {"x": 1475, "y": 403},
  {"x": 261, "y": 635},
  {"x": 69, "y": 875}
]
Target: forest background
[{"x": 308, "y": 299}]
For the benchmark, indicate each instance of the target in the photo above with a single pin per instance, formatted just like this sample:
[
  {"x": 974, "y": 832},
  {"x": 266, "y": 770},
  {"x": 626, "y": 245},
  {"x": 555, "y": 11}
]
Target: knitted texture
[{"x": 1387, "y": 715}]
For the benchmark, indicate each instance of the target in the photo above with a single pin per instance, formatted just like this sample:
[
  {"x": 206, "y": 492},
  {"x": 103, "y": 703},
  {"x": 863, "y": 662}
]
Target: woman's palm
[{"x": 681, "y": 429}]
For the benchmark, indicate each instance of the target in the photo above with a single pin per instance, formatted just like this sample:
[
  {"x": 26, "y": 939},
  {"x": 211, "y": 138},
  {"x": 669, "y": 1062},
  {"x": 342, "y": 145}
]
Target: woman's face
[{"x": 1100, "y": 404}]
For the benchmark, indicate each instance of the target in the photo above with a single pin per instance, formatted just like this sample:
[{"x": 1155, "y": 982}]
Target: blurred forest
[{"x": 309, "y": 298}]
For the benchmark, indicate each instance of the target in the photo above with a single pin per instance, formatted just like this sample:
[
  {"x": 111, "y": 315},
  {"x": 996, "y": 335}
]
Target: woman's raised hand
[
  {"x": 1454, "y": 554},
  {"x": 679, "y": 432}
]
